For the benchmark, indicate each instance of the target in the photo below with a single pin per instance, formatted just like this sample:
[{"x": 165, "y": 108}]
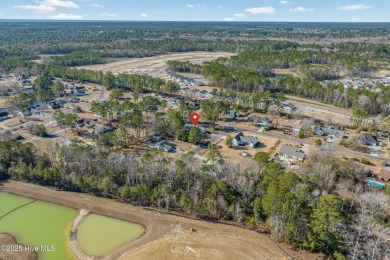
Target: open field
[
  {"x": 152, "y": 65},
  {"x": 210, "y": 241}
]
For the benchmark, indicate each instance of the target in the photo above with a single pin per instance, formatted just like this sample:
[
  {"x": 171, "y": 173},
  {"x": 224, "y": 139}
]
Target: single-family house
[
  {"x": 331, "y": 133},
  {"x": 369, "y": 81},
  {"x": 163, "y": 145},
  {"x": 78, "y": 91},
  {"x": 383, "y": 175},
  {"x": 193, "y": 104},
  {"x": 3, "y": 114},
  {"x": 198, "y": 83},
  {"x": 188, "y": 127},
  {"x": 240, "y": 139},
  {"x": 382, "y": 134},
  {"x": 86, "y": 122},
  {"x": 53, "y": 105},
  {"x": 172, "y": 101},
  {"x": 387, "y": 76},
  {"x": 100, "y": 129},
  {"x": 157, "y": 138},
  {"x": 232, "y": 113},
  {"x": 259, "y": 120},
  {"x": 290, "y": 153},
  {"x": 289, "y": 107},
  {"x": 369, "y": 140},
  {"x": 185, "y": 90},
  {"x": 348, "y": 78}
]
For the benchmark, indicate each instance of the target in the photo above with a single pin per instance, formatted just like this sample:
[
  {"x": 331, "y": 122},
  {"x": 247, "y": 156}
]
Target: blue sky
[{"x": 200, "y": 10}]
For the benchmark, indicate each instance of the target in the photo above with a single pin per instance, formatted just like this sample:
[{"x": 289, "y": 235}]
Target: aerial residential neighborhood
[{"x": 159, "y": 130}]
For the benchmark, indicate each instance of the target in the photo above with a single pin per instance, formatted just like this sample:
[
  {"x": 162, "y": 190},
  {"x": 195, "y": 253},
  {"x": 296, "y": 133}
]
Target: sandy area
[
  {"x": 6, "y": 239},
  {"x": 155, "y": 65},
  {"x": 167, "y": 236}
]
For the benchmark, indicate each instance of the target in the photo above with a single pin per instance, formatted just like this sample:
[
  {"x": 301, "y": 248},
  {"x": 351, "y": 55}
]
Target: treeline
[
  {"x": 236, "y": 78},
  {"x": 319, "y": 73},
  {"x": 184, "y": 66},
  {"x": 364, "y": 102},
  {"x": 78, "y": 58},
  {"x": 298, "y": 208}
]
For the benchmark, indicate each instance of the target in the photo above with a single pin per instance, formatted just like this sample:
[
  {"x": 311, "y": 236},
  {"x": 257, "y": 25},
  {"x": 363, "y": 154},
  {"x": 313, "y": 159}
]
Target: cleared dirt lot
[
  {"x": 167, "y": 236},
  {"x": 152, "y": 65},
  {"x": 5, "y": 240}
]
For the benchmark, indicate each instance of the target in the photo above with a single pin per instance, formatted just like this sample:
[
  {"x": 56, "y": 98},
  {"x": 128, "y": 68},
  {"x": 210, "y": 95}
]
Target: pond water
[
  {"x": 99, "y": 235},
  {"x": 37, "y": 223}
]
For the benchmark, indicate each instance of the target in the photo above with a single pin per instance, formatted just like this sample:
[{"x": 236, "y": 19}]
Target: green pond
[
  {"x": 9, "y": 202},
  {"x": 98, "y": 235},
  {"x": 37, "y": 223}
]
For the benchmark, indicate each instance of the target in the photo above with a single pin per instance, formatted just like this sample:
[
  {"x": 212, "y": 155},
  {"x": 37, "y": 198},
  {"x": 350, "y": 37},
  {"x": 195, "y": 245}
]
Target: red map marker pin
[{"x": 195, "y": 118}]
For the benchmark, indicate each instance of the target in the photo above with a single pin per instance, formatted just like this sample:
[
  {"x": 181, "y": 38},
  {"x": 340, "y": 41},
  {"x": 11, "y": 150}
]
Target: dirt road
[{"x": 167, "y": 236}]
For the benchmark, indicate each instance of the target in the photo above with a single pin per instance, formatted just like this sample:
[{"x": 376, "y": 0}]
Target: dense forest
[{"x": 298, "y": 208}]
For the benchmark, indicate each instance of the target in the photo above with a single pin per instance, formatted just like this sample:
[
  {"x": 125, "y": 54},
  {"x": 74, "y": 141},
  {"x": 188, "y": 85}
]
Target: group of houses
[
  {"x": 185, "y": 80},
  {"x": 358, "y": 82},
  {"x": 196, "y": 93}
]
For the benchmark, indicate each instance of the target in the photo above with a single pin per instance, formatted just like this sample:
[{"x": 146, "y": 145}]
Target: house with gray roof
[
  {"x": 331, "y": 133},
  {"x": 289, "y": 153},
  {"x": 188, "y": 127},
  {"x": 240, "y": 139},
  {"x": 259, "y": 120},
  {"x": 163, "y": 145}
]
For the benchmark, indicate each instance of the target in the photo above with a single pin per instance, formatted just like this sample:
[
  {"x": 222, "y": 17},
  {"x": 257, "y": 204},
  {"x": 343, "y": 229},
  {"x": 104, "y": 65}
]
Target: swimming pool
[{"x": 376, "y": 184}]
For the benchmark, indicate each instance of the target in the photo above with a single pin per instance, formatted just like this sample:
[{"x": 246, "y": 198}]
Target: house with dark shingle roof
[{"x": 369, "y": 140}]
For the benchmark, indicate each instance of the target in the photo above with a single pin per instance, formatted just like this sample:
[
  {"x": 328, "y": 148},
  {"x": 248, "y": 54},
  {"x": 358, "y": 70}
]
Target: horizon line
[{"x": 211, "y": 21}]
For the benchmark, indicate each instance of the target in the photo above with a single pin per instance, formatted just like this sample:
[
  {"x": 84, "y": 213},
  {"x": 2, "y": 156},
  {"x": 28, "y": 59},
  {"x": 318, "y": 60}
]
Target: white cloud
[
  {"x": 354, "y": 7},
  {"x": 108, "y": 15},
  {"x": 96, "y": 5},
  {"x": 48, "y": 6},
  {"x": 285, "y": 2},
  {"x": 63, "y": 16},
  {"x": 261, "y": 10},
  {"x": 197, "y": 5},
  {"x": 144, "y": 15},
  {"x": 355, "y": 19},
  {"x": 228, "y": 19},
  {"x": 220, "y": 6},
  {"x": 301, "y": 9},
  {"x": 38, "y": 8},
  {"x": 60, "y": 3},
  {"x": 239, "y": 15}
]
